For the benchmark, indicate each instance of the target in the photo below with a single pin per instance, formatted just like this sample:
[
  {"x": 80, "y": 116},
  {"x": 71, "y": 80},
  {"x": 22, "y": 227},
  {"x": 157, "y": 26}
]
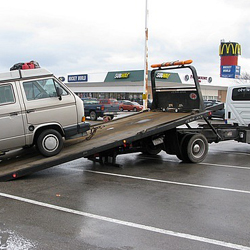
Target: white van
[
  {"x": 37, "y": 109},
  {"x": 237, "y": 109}
]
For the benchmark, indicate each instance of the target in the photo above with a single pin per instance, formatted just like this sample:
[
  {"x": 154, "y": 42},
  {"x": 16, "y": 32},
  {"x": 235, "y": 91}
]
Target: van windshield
[{"x": 40, "y": 89}]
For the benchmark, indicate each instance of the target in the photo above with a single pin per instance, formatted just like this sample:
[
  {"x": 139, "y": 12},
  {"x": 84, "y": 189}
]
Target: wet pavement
[{"x": 146, "y": 203}]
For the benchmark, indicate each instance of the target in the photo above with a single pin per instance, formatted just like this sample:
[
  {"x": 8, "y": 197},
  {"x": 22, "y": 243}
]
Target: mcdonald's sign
[{"x": 229, "y": 49}]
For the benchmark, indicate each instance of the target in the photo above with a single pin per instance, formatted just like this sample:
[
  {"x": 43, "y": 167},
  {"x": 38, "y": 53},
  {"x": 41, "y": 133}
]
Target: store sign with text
[
  {"x": 78, "y": 78},
  {"x": 161, "y": 75},
  {"x": 231, "y": 71},
  {"x": 200, "y": 78},
  {"x": 122, "y": 75}
]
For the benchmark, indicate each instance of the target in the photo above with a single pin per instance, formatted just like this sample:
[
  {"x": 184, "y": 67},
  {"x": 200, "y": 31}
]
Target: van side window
[
  {"x": 6, "y": 94},
  {"x": 241, "y": 94},
  {"x": 40, "y": 89}
]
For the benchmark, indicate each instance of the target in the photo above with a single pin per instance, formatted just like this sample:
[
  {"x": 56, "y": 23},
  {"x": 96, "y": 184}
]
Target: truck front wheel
[
  {"x": 150, "y": 149},
  {"x": 194, "y": 148},
  {"x": 49, "y": 142}
]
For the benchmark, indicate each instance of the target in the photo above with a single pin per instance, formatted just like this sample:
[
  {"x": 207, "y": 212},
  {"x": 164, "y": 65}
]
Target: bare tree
[{"x": 244, "y": 78}]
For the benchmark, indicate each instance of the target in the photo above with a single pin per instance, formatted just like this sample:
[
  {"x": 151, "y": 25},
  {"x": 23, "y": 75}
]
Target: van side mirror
[{"x": 59, "y": 92}]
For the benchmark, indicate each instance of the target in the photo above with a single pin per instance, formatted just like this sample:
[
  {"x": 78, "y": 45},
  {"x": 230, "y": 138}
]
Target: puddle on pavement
[{"x": 10, "y": 240}]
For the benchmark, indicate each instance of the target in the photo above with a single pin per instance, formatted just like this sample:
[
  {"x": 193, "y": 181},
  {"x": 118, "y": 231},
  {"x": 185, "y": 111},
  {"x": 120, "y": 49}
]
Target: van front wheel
[{"x": 49, "y": 142}]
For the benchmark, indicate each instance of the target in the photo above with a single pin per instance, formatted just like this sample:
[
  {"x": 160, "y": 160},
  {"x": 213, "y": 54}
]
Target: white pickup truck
[{"x": 237, "y": 107}]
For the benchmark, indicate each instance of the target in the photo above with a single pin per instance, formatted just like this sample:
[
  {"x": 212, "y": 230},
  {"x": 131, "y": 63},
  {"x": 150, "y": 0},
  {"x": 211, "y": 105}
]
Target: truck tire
[
  {"x": 150, "y": 149},
  {"x": 93, "y": 115},
  {"x": 194, "y": 148},
  {"x": 49, "y": 142}
]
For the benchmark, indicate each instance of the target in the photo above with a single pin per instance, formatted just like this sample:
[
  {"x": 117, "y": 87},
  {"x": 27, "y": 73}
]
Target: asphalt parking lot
[{"x": 147, "y": 203}]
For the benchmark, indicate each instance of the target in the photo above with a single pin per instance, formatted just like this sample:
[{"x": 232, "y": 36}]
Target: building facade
[{"x": 129, "y": 84}]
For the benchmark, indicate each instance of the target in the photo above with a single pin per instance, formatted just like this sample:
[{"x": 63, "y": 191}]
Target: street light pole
[{"x": 145, "y": 85}]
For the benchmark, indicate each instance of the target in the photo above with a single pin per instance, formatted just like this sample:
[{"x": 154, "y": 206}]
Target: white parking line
[
  {"x": 170, "y": 182},
  {"x": 224, "y": 166},
  {"x": 201, "y": 163},
  {"x": 129, "y": 224}
]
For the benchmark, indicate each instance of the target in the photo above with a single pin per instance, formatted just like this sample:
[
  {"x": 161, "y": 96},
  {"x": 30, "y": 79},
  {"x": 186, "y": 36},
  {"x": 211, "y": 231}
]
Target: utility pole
[{"x": 145, "y": 87}]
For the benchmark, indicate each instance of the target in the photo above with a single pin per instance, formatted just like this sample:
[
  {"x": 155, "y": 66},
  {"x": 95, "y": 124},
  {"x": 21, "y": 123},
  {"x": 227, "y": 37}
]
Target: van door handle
[
  {"x": 14, "y": 113},
  {"x": 30, "y": 111}
]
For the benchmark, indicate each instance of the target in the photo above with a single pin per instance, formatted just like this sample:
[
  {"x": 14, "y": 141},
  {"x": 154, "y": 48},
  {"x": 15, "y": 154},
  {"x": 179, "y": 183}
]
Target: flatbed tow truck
[{"x": 149, "y": 132}]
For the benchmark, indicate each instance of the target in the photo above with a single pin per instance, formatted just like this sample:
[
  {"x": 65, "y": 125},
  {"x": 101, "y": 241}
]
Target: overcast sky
[{"x": 83, "y": 36}]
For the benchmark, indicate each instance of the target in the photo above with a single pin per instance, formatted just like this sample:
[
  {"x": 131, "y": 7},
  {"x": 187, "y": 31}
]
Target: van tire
[{"x": 49, "y": 142}]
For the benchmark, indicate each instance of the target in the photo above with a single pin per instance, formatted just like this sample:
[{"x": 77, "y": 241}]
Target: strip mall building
[{"x": 129, "y": 84}]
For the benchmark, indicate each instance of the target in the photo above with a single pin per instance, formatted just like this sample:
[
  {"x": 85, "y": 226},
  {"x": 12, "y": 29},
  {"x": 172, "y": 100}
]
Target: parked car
[
  {"x": 108, "y": 101},
  {"x": 149, "y": 103},
  {"x": 217, "y": 113},
  {"x": 130, "y": 106},
  {"x": 94, "y": 109}
]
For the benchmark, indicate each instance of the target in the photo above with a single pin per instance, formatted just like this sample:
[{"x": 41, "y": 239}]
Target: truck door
[
  {"x": 44, "y": 106},
  {"x": 11, "y": 118}
]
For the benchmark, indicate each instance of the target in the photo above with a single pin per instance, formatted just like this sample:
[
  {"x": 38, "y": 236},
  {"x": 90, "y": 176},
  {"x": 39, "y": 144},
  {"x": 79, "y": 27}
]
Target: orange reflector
[
  {"x": 166, "y": 64},
  {"x": 83, "y": 119}
]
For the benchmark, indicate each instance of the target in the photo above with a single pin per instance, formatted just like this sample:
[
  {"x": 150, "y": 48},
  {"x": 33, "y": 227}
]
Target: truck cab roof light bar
[{"x": 174, "y": 63}]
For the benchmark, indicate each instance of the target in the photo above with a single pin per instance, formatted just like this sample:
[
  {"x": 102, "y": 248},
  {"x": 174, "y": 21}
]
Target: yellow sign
[
  {"x": 233, "y": 49},
  {"x": 122, "y": 75},
  {"x": 162, "y": 75}
]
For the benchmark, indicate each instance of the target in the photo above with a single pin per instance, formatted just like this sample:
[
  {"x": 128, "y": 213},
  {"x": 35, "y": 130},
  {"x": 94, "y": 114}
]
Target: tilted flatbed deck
[{"x": 107, "y": 136}]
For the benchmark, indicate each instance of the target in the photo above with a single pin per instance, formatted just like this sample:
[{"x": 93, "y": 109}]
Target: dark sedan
[{"x": 220, "y": 113}]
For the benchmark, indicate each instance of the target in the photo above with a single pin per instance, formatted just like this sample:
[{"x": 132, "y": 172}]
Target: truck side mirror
[{"x": 59, "y": 92}]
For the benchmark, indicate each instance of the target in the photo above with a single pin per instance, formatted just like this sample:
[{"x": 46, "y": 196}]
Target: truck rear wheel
[
  {"x": 49, "y": 142},
  {"x": 194, "y": 148},
  {"x": 93, "y": 115}
]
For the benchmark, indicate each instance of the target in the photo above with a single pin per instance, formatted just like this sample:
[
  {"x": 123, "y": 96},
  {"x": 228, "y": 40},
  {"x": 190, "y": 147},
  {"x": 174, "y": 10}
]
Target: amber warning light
[{"x": 174, "y": 63}]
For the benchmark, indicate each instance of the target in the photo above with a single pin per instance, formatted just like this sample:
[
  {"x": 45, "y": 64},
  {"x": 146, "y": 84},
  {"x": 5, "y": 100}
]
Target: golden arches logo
[{"x": 230, "y": 49}]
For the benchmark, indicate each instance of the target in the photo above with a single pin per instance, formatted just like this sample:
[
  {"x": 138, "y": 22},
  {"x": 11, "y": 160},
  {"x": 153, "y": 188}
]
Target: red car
[{"x": 130, "y": 106}]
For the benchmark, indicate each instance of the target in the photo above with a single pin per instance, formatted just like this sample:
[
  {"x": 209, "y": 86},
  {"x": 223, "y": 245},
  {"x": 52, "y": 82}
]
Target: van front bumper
[
  {"x": 80, "y": 128},
  {"x": 83, "y": 127}
]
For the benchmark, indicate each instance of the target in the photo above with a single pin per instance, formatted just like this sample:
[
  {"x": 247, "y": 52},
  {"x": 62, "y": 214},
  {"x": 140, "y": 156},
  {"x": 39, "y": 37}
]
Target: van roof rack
[{"x": 18, "y": 74}]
